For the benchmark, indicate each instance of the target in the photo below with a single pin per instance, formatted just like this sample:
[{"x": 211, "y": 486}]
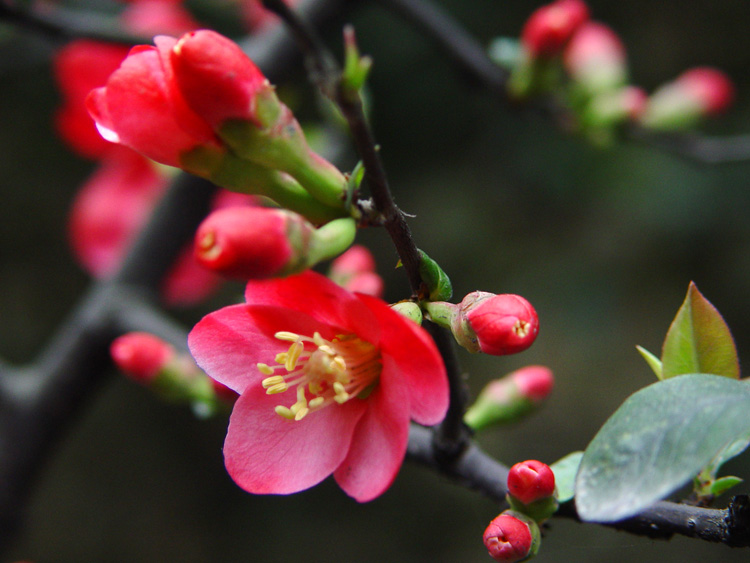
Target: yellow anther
[
  {"x": 301, "y": 395},
  {"x": 316, "y": 402},
  {"x": 339, "y": 364},
  {"x": 265, "y": 369},
  {"x": 341, "y": 398},
  {"x": 293, "y": 355},
  {"x": 271, "y": 381},
  {"x": 280, "y": 357},
  {"x": 301, "y": 413},
  {"x": 319, "y": 340},
  {"x": 275, "y": 389},
  {"x": 339, "y": 388},
  {"x": 327, "y": 349},
  {"x": 288, "y": 336},
  {"x": 285, "y": 412}
]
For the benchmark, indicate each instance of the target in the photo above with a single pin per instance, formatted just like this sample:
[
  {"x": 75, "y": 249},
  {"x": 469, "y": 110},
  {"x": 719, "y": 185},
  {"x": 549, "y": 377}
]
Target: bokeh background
[{"x": 602, "y": 242}]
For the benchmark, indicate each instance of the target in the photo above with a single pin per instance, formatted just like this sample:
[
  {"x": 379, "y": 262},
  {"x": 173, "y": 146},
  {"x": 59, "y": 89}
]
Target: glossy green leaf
[
  {"x": 659, "y": 439},
  {"x": 699, "y": 341},
  {"x": 565, "y": 470},
  {"x": 653, "y": 362}
]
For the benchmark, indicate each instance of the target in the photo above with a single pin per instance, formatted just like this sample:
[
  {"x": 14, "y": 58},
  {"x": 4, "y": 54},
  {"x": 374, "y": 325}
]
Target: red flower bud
[
  {"x": 495, "y": 324},
  {"x": 534, "y": 382},
  {"x": 252, "y": 242},
  {"x": 140, "y": 355},
  {"x": 596, "y": 57},
  {"x": 142, "y": 107},
  {"x": 217, "y": 79},
  {"x": 550, "y": 27},
  {"x": 710, "y": 88},
  {"x": 509, "y": 539},
  {"x": 530, "y": 481},
  {"x": 355, "y": 271}
]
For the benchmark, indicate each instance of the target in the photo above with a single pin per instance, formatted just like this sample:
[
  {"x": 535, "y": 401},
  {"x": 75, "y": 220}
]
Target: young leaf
[
  {"x": 723, "y": 484},
  {"x": 657, "y": 441},
  {"x": 565, "y": 470},
  {"x": 653, "y": 362},
  {"x": 699, "y": 341}
]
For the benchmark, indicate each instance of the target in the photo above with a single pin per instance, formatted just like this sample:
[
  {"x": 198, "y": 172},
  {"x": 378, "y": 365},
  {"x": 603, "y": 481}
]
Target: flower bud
[
  {"x": 531, "y": 480},
  {"x": 141, "y": 356},
  {"x": 510, "y": 398},
  {"x": 495, "y": 324},
  {"x": 550, "y": 27},
  {"x": 259, "y": 243},
  {"x": 697, "y": 93},
  {"x": 409, "y": 309},
  {"x": 355, "y": 271},
  {"x": 141, "y": 107},
  {"x": 595, "y": 58},
  {"x": 512, "y": 537}
]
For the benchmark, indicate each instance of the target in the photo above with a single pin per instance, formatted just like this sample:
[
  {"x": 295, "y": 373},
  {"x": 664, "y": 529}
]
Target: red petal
[
  {"x": 229, "y": 343},
  {"x": 267, "y": 454},
  {"x": 379, "y": 443},
  {"x": 319, "y": 297},
  {"x": 410, "y": 351}
]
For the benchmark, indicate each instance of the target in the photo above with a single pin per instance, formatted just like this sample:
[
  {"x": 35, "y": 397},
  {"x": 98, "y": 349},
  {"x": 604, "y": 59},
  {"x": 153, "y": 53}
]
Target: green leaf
[
  {"x": 565, "y": 470},
  {"x": 723, "y": 484},
  {"x": 699, "y": 341},
  {"x": 653, "y": 362},
  {"x": 657, "y": 441}
]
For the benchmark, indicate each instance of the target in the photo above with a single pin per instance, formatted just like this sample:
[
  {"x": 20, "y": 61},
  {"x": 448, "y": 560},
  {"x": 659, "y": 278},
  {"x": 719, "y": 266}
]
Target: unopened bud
[
  {"x": 697, "y": 93},
  {"x": 512, "y": 537},
  {"x": 409, "y": 309},
  {"x": 355, "y": 271},
  {"x": 531, "y": 480},
  {"x": 259, "y": 242},
  {"x": 141, "y": 356},
  {"x": 495, "y": 324},
  {"x": 595, "y": 58},
  {"x": 510, "y": 398},
  {"x": 550, "y": 27}
]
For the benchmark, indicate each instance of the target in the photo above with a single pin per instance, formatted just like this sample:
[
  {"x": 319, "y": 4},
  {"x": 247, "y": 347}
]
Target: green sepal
[
  {"x": 356, "y": 68},
  {"x": 539, "y": 510},
  {"x": 439, "y": 286}
]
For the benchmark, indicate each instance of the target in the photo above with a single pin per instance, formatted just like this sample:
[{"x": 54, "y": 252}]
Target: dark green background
[{"x": 602, "y": 242}]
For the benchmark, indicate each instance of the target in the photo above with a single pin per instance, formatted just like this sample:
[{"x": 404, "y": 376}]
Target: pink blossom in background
[{"x": 328, "y": 382}]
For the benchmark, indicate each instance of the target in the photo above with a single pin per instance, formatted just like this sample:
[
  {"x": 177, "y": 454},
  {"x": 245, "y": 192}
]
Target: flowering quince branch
[{"x": 471, "y": 57}]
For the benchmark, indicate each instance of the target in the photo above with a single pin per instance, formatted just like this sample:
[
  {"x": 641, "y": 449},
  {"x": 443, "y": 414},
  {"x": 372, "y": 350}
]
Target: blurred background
[{"x": 603, "y": 242}]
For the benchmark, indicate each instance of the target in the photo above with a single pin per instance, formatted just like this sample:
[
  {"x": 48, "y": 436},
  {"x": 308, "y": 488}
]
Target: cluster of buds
[
  {"x": 154, "y": 363},
  {"x": 564, "y": 53},
  {"x": 485, "y": 322},
  {"x": 511, "y": 397},
  {"x": 200, "y": 104},
  {"x": 514, "y": 535}
]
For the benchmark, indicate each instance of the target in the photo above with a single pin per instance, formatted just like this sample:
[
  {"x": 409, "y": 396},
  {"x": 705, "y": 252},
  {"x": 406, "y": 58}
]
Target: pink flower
[
  {"x": 328, "y": 381},
  {"x": 596, "y": 57},
  {"x": 141, "y": 107},
  {"x": 533, "y": 382}
]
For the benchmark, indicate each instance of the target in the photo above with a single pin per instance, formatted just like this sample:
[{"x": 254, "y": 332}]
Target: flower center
[{"x": 323, "y": 371}]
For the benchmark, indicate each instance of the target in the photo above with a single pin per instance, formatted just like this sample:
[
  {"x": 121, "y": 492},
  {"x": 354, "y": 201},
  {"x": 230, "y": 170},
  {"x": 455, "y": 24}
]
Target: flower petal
[
  {"x": 319, "y": 297},
  {"x": 413, "y": 353},
  {"x": 379, "y": 444},
  {"x": 267, "y": 454},
  {"x": 228, "y": 343}
]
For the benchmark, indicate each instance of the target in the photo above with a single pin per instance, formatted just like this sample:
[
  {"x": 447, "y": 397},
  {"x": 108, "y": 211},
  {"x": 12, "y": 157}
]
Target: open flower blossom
[{"x": 328, "y": 381}]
